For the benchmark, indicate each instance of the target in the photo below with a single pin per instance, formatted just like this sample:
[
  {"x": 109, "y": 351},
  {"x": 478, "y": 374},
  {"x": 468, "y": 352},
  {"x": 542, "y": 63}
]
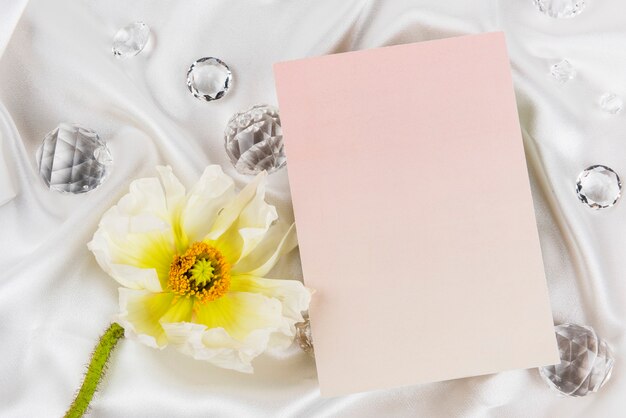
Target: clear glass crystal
[
  {"x": 304, "y": 338},
  {"x": 598, "y": 187},
  {"x": 209, "y": 79},
  {"x": 586, "y": 361},
  {"x": 611, "y": 103},
  {"x": 73, "y": 159},
  {"x": 560, "y": 8},
  {"x": 563, "y": 71},
  {"x": 254, "y": 140},
  {"x": 131, "y": 39}
]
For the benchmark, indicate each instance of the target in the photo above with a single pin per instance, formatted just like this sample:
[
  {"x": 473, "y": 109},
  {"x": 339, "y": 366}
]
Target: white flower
[{"x": 192, "y": 268}]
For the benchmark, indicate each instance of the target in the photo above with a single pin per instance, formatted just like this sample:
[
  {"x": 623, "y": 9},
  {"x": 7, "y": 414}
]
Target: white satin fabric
[
  {"x": 55, "y": 301},
  {"x": 9, "y": 16}
]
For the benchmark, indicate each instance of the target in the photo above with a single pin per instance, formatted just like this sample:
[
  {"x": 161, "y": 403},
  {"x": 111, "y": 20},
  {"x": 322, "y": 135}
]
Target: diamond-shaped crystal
[
  {"x": 73, "y": 159},
  {"x": 598, "y": 187},
  {"x": 254, "y": 140},
  {"x": 209, "y": 79},
  {"x": 560, "y": 8},
  {"x": 304, "y": 337},
  {"x": 611, "y": 103},
  {"x": 131, "y": 39},
  {"x": 586, "y": 361},
  {"x": 563, "y": 71}
]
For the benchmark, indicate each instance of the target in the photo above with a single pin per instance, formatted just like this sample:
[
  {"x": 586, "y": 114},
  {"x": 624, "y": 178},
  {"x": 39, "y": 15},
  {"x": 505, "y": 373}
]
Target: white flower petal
[
  {"x": 173, "y": 188},
  {"x": 126, "y": 275},
  {"x": 140, "y": 312},
  {"x": 231, "y": 212},
  {"x": 212, "y": 192},
  {"x": 242, "y": 225},
  {"x": 274, "y": 245},
  {"x": 231, "y": 331},
  {"x": 240, "y": 313},
  {"x": 254, "y": 221},
  {"x": 135, "y": 241},
  {"x": 146, "y": 196},
  {"x": 175, "y": 200},
  {"x": 215, "y": 345},
  {"x": 135, "y": 251},
  {"x": 292, "y": 294}
]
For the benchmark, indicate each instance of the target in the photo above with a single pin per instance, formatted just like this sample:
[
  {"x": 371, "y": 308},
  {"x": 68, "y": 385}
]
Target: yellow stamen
[{"x": 201, "y": 272}]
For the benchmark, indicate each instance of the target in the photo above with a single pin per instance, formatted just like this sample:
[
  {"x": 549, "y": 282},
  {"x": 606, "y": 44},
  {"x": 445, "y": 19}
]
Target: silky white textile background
[
  {"x": 11, "y": 12},
  {"x": 55, "y": 301}
]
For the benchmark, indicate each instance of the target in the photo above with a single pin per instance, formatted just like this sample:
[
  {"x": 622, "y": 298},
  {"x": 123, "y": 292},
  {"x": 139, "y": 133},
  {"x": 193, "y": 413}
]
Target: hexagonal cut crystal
[
  {"x": 131, "y": 40},
  {"x": 254, "y": 140},
  {"x": 598, "y": 186},
  {"x": 563, "y": 71},
  {"x": 611, "y": 103},
  {"x": 586, "y": 361},
  {"x": 559, "y": 9},
  {"x": 209, "y": 79},
  {"x": 73, "y": 159}
]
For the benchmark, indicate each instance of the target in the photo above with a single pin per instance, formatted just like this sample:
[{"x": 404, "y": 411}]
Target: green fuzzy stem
[{"x": 95, "y": 370}]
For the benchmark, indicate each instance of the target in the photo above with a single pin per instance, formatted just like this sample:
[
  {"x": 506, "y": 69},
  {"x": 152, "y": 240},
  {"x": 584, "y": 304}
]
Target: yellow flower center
[{"x": 201, "y": 272}]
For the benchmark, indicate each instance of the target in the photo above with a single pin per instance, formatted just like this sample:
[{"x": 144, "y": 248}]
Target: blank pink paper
[{"x": 414, "y": 214}]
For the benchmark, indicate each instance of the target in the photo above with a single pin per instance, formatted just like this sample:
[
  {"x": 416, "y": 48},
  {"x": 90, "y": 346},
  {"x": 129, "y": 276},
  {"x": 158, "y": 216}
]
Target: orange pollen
[{"x": 201, "y": 272}]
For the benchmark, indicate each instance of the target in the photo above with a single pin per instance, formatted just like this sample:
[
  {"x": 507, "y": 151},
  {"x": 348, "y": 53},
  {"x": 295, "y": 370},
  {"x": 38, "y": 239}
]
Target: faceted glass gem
[
  {"x": 563, "y": 71},
  {"x": 586, "y": 362},
  {"x": 254, "y": 140},
  {"x": 131, "y": 40},
  {"x": 598, "y": 187},
  {"x": 73, "y": 159},
  {"x": 209, "y": 79},
  {"x": 611, "y": 103},
  {"x": 560, "y": 8},
  {"x": 304, "y": 338}
]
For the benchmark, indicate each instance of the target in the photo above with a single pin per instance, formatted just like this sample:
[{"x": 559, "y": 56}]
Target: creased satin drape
[{"x": 55, "y": 301}]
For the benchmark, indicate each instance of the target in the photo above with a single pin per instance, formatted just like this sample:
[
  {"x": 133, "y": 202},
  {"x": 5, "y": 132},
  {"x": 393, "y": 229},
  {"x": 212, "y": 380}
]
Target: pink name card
[{"x": 414, "y": 214}]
